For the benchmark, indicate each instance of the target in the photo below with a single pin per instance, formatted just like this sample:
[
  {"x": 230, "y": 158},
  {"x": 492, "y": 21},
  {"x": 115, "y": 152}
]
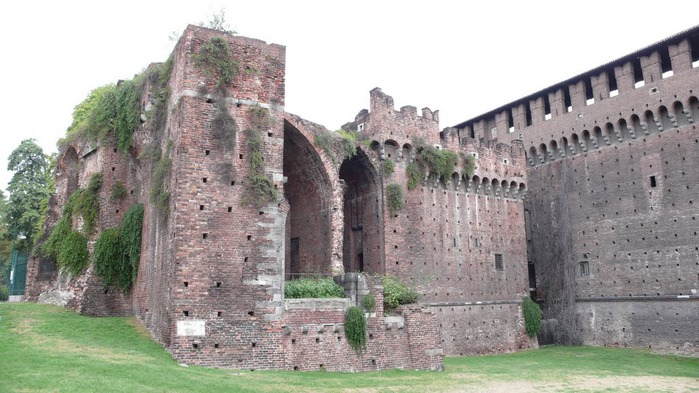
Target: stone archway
[{"x": 313, "y": 244}]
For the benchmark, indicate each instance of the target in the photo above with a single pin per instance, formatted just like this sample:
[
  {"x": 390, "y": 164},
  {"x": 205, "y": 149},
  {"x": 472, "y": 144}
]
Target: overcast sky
[{"x": 462, "y": 58}]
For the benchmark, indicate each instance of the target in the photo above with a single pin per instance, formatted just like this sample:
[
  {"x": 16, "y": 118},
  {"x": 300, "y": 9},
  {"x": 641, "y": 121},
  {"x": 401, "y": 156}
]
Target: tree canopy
[{"x": 28, "y": 189}]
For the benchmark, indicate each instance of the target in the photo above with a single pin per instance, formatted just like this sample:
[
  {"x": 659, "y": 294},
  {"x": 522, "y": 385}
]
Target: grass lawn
[{"x": 47, "y": 349}]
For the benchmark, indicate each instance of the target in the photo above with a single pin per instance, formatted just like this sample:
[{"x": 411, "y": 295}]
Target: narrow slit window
[
  {"x": 584, "y": 268},
  {"x": 653, "y": 182}
]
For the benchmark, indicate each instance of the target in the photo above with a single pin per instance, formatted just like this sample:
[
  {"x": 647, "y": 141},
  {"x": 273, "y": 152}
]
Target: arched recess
[
  {"x": 475, "y": 184},
  {"x": 407, "y": 150},
  {"x": 456, "y": 181},
  {"x": 391, "y": 148},
  {"x": 533, "y": 158},
  {"x": 680, "y": 116},
  {"x": 664, "y": 116},
  {"x": 505, "y": 187},
  {"x": 363, "y": 230},
  {"x": 309, "y": 192},
  {"x": 651, "y": 125},
  {"x": 636, "y": 126},
  {"x": 693, "y": 109},
  {"x": 599, "y": 137},
  {"x": 586, "y": 140},
  {"x": 575, "y": 141},
  {"x": 543, "y": 153},
  {"x": 623, "y": 129},
  {"x": 565, "y": 149},
  {"x": 553, "y": 150}
]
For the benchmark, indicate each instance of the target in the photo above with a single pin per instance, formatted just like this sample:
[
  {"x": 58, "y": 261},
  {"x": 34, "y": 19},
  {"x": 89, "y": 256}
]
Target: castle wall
[
  {"x": 612, "y": 165},
  {"x": 446, "y": 238}
]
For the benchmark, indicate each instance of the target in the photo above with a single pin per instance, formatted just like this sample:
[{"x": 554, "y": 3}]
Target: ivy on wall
[
  {"x": 355, "y": 328},
  {"x": 118, "y": 250},
  {"x": 66, "y": 246},
  {"x": 259, "y": 188},
  {"x": 532, "y": 317},
  {"x": 216, "y": 60},
  {"x": 394, "y": 198}
]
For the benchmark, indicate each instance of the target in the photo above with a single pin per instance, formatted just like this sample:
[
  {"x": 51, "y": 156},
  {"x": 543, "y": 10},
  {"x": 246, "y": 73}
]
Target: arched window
[
  {"x": 553, "y": 150},
  {"x": 543, "y": 153},
  {"x": 680, "y": 115},
  {"x": 586, "y": 140},
  {"x": 575, "y": 142},
  {"x": 666, "y": 120},
  {"x": 533, "y": 159},
  {"x": 651, "y": 125},
  {"x": 564, "y": 148}
]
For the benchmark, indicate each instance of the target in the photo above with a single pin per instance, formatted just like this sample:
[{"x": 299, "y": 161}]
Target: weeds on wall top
[
  {"x": 337, "y": 145},
  {"x": 216, "y": 60},
  {"x": 469, "y": 165},
  {"x": 307, "y": 287}
]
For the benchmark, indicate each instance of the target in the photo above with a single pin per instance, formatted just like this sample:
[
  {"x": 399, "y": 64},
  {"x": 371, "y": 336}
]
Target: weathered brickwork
[{"x": 611, "y": 200}]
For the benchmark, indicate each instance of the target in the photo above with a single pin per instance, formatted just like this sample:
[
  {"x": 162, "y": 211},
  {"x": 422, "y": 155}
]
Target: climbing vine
[
  {"x": 118, "y": 191},
  {"x": 69, "y": 247},
  {"x": 216, "y": 60},
  {"x": 532, "y": 316},
  {"x": 259, "y": 189},
  {"x": 355, "y": 328},
  {"x": 118, "y": 250},
  {"x": 413, "y": 174},
  {"x": 394, "y": 198},
  {"x": 388, "y": 167},
  {"x": 159, "y": 195}
]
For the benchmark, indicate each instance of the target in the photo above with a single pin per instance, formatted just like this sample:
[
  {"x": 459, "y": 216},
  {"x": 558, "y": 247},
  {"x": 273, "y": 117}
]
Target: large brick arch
[{"x": 315, "y": 221}]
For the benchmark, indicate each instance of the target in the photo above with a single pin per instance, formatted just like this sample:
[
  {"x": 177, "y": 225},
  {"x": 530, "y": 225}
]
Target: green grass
[{"x": 47, "y": 349}]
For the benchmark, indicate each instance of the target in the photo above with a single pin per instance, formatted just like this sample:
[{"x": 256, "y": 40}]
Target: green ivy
[
  {"x": 118, "y": 191},
  {"x": 259, "y": 187},
  {"x": 388, "y": 167},
  {"x": 355, "y": 328},
  {"x": 394, "y": 198},
  {"x": 348, "y": 143},
  {"x": 158, "y": 194},
  {"x": 532, "y": 316},
  {"x": 395, "y": 293},
  {"x": 325, "y": 141},
  {"x": 413, "y": 174},
  {"x": 88, "y": 203},
  {"x": 439, "y": 163},
  {"x": 216, "y": 60},
  {"x": 72, "y": 253},
  {"x": 307, "y": 287},
  {"x": 118, "y": 250}
]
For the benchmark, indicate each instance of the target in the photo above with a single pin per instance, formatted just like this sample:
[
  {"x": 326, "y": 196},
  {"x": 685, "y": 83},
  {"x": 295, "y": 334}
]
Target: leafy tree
[{"x": 29, "y": 190}]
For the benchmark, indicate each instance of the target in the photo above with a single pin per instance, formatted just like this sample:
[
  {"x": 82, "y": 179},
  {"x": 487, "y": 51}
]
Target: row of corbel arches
[
  {"x": 487, "y": 187},
  {"x": 392, "y": 149},
  {"x": 637, "y": 126}
]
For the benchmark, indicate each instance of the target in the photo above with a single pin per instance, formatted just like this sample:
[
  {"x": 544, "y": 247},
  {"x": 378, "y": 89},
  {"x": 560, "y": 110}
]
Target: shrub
[
  {"x": 88, "y": 203},
  {"x": 312, "y": 288},
  {"x": 4, "y": 293},
  {"x": 348, "y": 143},
  {"x": 355, "y": 328},
  {"x": 369, "y": 302},
  {"x": 394, "y": 198},
  {"x": 395, "y": 293},
  {"x": 532, "y": 317}
]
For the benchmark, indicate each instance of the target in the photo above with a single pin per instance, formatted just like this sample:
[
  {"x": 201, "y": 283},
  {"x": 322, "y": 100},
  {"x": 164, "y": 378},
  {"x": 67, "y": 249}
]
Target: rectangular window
[
  {"x": 499, "y": 266},
  {"x": 584, "y": 268},
  {"x": 652, "y": 182}
]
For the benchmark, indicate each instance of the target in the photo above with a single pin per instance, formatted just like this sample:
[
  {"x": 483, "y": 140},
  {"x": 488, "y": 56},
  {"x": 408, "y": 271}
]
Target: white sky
[{"x": 463, "y": 58}]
